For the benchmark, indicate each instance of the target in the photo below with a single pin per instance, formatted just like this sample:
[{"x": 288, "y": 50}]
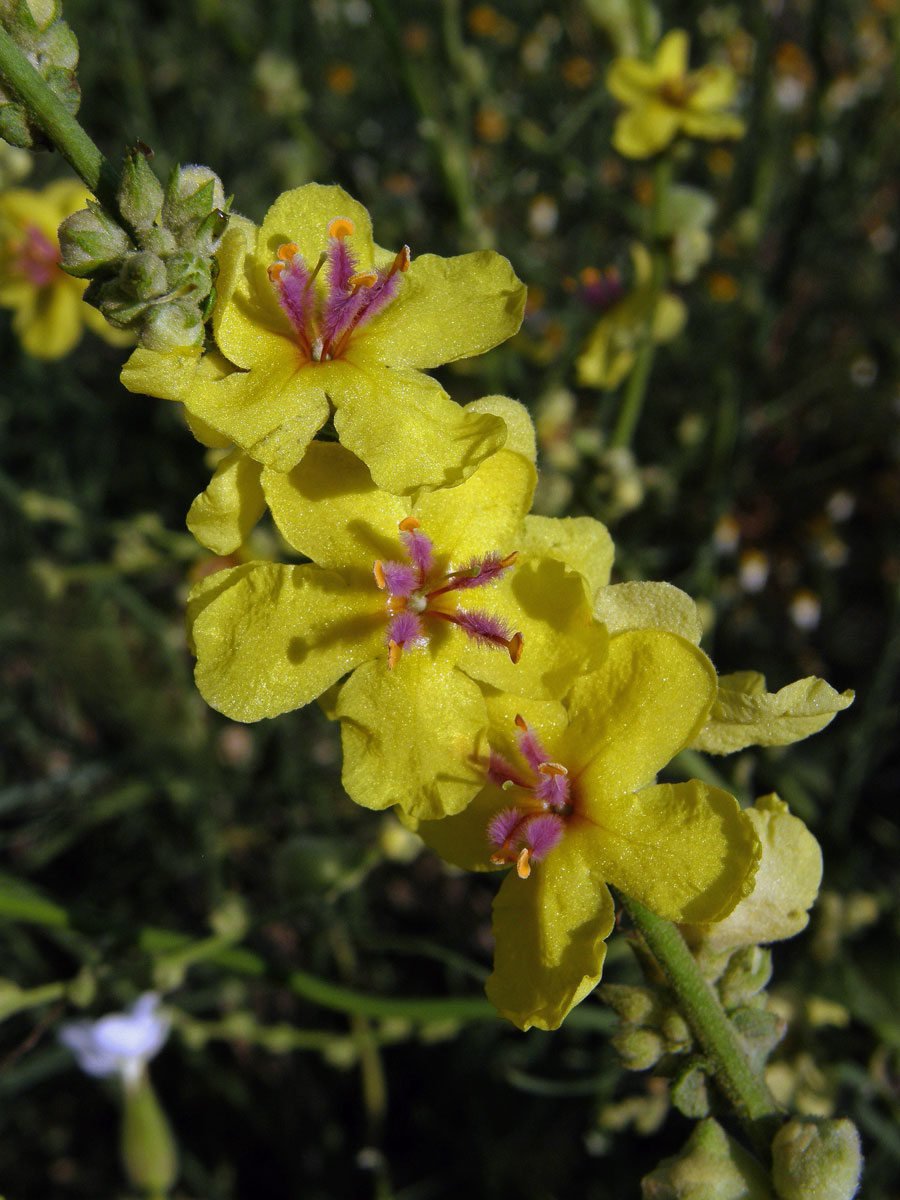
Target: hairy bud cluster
[
  {"x": 156, "y": 275},
  {"x": 52, "y": 49}
]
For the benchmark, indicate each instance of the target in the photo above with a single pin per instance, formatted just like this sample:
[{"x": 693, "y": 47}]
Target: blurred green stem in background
[{"x": 636, "y": 387}]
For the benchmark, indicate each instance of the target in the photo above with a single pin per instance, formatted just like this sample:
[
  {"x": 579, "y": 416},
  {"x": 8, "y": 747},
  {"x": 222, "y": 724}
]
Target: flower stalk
[
  {"x": 744, "y": 1087},
  {"x": 57, "y": 122}
]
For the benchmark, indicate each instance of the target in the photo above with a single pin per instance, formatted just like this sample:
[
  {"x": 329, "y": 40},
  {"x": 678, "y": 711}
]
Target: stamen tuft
[{"x": 340, "y": 228}]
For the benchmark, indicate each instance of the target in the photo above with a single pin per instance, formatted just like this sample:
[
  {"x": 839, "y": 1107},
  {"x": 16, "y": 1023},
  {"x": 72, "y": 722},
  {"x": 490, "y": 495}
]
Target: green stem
[
  {"x": 716, "y": 1035},
  {"x": 48, "y": 111}
]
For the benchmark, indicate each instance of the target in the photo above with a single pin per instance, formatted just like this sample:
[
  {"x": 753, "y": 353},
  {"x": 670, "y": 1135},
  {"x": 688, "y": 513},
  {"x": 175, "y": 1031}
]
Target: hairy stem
[
  {"x": 47, "y": 110},
  {"x": 744, "y": 1087}
]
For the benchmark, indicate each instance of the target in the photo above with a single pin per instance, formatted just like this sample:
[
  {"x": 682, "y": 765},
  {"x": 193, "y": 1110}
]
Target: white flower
[{"x": 119, "y": 1042}]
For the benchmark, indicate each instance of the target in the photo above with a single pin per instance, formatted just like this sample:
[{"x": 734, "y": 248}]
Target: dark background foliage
[{"x": 130, "y": 813}]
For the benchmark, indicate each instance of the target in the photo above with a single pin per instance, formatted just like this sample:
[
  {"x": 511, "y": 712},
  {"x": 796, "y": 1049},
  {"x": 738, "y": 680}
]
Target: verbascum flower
[
  {"x": 423, "y": 601},
  {"x": 49, "y": 313},
  {"x": 643, "y": 313},
  {"x": 664, "y": 99},
  {"x": 318, "y": 320},
  {"x": 572, "y": 803}
]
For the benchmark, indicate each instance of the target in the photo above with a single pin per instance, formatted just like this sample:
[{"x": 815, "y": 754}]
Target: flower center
[
  {"x": 418, "y": 591},
  {"x": 34, "y": 257},
  {"x": 677, "y": 91},
  {"x": 325, "y": 318},
  {"x": 528, "y": 831}
]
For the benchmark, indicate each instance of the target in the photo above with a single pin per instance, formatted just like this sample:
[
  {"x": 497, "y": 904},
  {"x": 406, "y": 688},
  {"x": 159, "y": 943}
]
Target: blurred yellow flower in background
[
  {"x": 49, "y": 314},
  {"x": 664, "y": 98}
]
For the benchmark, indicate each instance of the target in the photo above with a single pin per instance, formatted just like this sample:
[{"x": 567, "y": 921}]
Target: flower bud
[
  {"x": 191, "y": 193},
  {"x": 712, "y": 1166},
  {"x": 172, "y": 326},
  {"x": 148, "y": 1147},
  {"x": 690, "y": 1092},
  {"x": 761, "y": 1030},
  {"x": 186, "y": 273},
  {"x": 90, "y": 240},
  {"x": 816, "y": 1160},
  {"x": 639, "y": 1048},
  {"x": 140, "y": 194},
  {"x": 637, "y": 1005},
  {"x": 747, "y": 973},
  {"x": 143, "y": 276}
]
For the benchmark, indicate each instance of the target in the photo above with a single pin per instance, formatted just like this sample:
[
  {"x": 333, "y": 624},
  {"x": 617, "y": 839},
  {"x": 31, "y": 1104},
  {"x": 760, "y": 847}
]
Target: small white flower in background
[{"x": 119, "y": 1043}]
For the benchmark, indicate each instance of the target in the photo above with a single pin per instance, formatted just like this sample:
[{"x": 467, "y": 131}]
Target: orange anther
[
  {"x": 401, "y": 261},
  {"x": 551, "y": 768},
  {"x": 510, "y": 559},
  {"x": 340, "y": 228},
  {"x": 378, "y": 572},
  {"x": 408, "y": 524},
  {"x": 365, "y": 279},
  {"x": 287, "y": 251},
  {"x": 521, "y": 723},
  {"x": 523, "y": 866},
  {"x": 274, "y": 271},
  {"x": 514, "y": 646},
  {"x": 394, "y": 654}
]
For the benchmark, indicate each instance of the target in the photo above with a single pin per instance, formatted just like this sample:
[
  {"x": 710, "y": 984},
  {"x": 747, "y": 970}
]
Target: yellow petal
[
  {"x": 745, "y": 714},
  {"x": 462, "y": 839},
  {"x": 222, "y": 517},
  {"x": 409, "y": 432},
  {"x": 641, "y": 132},
  {"x": 482, "y": 514},
  {"x": 545, "y": 602},
  {"x": 630, "y": 717},
  {"x": 167, "y": 375},
  {"x": 549, "y": 933},
  {"x": 270, "y": 412},
  {"x": 683, "y": 850},
  {"x": 55, "y": 324},
  {"x": 715, "y": 86},
  {"x": 271, "y": 638},
  {"x": 445, "y": 309},
  {"x": 329, "y": 509},
  {"x": 303, "y": 215},
  {"x": 713, "y": 125},
  {"x": 671, "y": 61},
  {"x": 413, "y": 736},
  {"x": 582, "y": 543},
  {"x": 632, "y": 81},
  {"x": 625, "y": 606},
  {"x": 785, "y": 887},
  {"x": 520, "y": 436}
]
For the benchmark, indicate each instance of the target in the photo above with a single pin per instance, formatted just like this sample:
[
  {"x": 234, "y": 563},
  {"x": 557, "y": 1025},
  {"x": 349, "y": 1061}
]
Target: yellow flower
[
  {"x": 571, "y": 800},
  {"x": 424, "y": 601},
  {"x": 316, "y": 319},
  {"x": 664, "y": 99},
  {"x": 49, "y": 312},
  {"x": 612, "y": 347}
]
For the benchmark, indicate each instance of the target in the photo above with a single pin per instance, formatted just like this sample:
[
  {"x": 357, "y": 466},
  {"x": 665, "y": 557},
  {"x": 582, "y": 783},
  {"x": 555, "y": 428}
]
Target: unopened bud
[
  {"x": 637, "y": 1005},
  {"x": 712, "y": 1166},
  {"x": 816, "y": 1160},
  {"x": 90, "y": 240},
  {"x": 676, "y": 1032},
  {"x": 761, "y": 1030},
  {"x": 187, "y": 273},
  {"x": 689, "y": 1092},
  {"x": 639, "y": 1048},
  {"x": 191, "y": 193},
  {"x": 143, "y": 276},
  {"x": 747, "y": 973},
  {"x": 140, "y": 194},
  {"x": 172, "y": 326}
]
